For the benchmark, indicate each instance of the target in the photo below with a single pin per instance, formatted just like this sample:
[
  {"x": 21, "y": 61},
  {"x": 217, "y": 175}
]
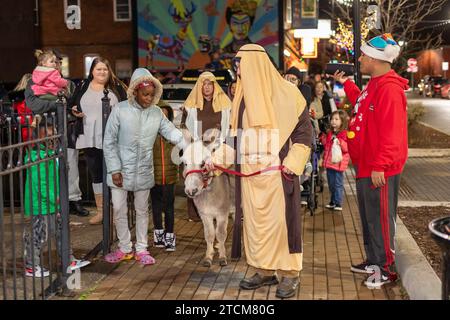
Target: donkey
[{"x": 211, "y": 195}]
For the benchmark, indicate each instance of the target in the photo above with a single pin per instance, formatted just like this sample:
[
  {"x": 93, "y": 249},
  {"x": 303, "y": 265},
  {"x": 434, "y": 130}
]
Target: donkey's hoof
[
  {"x": 207, "y": 263},
  {"x": 223, "y": 262}
]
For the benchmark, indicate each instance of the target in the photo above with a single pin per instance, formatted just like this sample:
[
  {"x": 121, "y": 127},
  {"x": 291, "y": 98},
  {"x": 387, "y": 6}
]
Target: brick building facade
[
  {"x": 19, "y": 34},
  {"x": 106, "y": 30},
  {"x": 430, "y": 62},
  {"x": 100, "y": 33}
]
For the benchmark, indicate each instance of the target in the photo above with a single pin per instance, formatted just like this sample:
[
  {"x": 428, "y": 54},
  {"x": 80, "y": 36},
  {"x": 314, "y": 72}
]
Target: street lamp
[
  {"x": 356, "y": 34},
  {"x": 357, "y": 42}
]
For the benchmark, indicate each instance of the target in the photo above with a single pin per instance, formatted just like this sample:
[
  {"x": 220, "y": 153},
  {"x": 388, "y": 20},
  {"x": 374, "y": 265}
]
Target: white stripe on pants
[
  {"x": 74, "y": 176},
  {"x": 120, "y": 208}
]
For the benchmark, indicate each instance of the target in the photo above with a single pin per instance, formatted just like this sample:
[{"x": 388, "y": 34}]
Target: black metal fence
[
  {"x": 34, "y": 224},
  {"x": 35, "y": 246}
]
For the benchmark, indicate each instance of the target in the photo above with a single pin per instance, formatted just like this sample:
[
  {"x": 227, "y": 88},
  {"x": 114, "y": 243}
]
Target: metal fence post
[
  {"x": 63, "y": 188},
  {"x": 106, "y": 108},
  {"x": 357, "y": 41}
]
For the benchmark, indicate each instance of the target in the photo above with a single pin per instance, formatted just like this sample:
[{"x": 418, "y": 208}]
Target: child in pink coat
[
  {"x": 46, "y": 78},
  {"x": 335, "y": 170}
]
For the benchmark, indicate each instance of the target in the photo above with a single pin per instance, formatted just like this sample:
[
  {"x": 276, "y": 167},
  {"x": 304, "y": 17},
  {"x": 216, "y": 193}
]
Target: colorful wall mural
[{"x": 179, "y": 34}]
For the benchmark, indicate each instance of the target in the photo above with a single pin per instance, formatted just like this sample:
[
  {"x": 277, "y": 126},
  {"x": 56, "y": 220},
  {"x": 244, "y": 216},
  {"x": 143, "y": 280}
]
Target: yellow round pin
[{"x": 350, "y": 134}]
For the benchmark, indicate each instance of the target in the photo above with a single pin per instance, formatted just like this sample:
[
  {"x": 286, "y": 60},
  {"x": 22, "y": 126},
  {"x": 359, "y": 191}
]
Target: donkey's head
[{"x": 194, "y": 157}]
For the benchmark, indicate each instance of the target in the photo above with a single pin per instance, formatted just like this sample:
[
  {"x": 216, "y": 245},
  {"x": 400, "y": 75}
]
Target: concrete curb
[
  {"x": 428, "y": 153},
  {"x": 432, "y": 127},
  {"x": 415, "y": 204},
  {"x": 417, "y": 276}
]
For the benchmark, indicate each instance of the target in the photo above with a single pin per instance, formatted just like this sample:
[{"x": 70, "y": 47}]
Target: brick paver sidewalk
[{"x": 332, "y": 241}]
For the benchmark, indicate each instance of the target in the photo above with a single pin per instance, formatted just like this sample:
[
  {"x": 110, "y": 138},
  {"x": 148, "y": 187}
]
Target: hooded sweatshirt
[
  {"x": 47, "y": 81},
  {"x": 378, "y": 129}
]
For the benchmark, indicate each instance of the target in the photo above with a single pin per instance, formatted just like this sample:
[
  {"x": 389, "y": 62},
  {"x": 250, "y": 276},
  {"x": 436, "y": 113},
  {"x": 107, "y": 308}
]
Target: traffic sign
[{"x": 412, "y": 62}]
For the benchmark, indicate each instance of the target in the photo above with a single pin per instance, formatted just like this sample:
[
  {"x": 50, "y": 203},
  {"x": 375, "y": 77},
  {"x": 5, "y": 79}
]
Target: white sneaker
[
  {"x": 78, "y": 264},
  {"x": 330, "y": 206},
  {"x": 337, "y": 208},
  {"x": 38, "y": 272},
  {"x": 303, "y": 202}
]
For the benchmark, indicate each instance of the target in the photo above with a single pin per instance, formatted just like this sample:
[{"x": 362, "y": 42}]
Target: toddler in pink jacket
[{"x": 46, "y": 78}]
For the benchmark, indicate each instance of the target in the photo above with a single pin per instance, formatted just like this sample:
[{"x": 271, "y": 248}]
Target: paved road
[{"x": 437, "y": 112}]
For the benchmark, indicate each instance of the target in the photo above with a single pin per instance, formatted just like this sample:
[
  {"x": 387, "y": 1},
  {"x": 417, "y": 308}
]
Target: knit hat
[
  {"x": 382, "y": 48},
  {"x": 295, "y": 72}
]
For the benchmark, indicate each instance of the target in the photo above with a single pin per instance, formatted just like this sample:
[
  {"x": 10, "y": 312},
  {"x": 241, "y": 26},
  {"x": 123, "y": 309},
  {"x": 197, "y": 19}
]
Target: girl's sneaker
[
  {"x": 337, "y": 208},
  {"x": 158, "y": 238},
  {"x": 170, "y": 242},
  {"x": 37, "y": 271},
  {"x": 331, "y": 206},
  {"x": 118, "y": 255}
]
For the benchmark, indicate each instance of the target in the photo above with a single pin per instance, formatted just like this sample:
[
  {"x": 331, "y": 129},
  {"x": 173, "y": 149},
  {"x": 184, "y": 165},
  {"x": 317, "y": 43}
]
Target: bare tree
[{"x": 404, "y": 19}]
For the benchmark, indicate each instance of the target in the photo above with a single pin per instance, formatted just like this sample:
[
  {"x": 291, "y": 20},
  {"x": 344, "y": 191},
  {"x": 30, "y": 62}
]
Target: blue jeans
[{"x": 336, "y": 185}]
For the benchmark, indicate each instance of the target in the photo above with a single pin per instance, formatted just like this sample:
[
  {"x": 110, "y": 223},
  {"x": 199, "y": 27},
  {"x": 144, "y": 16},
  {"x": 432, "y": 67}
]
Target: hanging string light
[
  {"x": 343, "y": 37},
  {"x": 349, "y": 3}
]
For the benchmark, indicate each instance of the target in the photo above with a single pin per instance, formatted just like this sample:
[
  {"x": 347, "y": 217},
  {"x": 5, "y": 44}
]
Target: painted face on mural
[{"x": 240, "y": 26}]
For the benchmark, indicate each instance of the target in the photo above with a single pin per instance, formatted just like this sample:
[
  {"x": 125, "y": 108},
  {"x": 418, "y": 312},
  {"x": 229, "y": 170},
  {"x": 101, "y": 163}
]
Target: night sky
[{"x": 441, "y": 15}]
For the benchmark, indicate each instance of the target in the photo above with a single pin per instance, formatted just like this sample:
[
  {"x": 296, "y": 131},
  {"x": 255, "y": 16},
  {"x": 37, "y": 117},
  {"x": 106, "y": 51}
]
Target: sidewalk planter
[{"x": 442, "y": 238}]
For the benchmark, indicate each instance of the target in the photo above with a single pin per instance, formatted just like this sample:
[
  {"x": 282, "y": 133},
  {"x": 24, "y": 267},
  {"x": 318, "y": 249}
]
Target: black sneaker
[
  {"x": 331, "y": 206},
  {"x": 170, "y": 241},
  {"x": 364, "y": 267},
  {"x": 377, "y": 280},
  {"x": 256, "y": 281},
  {"x": 158, "y": 238},
  {"x": 76, "y": 208}
]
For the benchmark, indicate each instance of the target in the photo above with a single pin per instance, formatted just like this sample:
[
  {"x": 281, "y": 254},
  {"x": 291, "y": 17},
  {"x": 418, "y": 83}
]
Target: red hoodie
[{"x": 378, "y": 129}]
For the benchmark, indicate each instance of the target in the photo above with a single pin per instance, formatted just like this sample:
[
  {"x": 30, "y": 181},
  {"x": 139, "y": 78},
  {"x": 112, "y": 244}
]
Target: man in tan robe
[{"x": 273, "y": 128}]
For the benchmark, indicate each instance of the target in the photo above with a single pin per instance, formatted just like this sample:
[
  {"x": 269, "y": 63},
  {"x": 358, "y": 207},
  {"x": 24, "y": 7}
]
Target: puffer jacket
[
  {"x": 166, "y": 172},
  {"x": 130, "y": 134},
  {"x": 327, "y": 141}
]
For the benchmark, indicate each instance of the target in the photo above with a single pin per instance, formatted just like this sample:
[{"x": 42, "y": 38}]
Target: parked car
[
  {"x": 445, "y": 91},
  {"x": 436, "y": 84},
  {"x": 223, "y": 76},
  {"x": 175, "y": 95}
]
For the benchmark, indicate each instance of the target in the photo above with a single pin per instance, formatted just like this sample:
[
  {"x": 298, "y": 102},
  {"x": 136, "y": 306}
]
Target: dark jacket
[
  {"x": 75, "y": 100},
  {"x": 166, "y": 172},
  {"x": 40, "y": 106},
  {"x": 306, "y": 92}
]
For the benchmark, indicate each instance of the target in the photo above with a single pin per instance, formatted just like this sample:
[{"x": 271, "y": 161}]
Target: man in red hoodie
[{"x": 378, "y": 147}]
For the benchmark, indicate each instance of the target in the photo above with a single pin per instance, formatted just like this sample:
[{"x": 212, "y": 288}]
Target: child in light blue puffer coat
[{"x": 128, "y": 149}]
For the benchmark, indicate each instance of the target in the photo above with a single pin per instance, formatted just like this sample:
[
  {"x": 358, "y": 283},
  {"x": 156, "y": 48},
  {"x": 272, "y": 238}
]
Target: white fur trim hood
[{"x": 140, "y": 75}]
